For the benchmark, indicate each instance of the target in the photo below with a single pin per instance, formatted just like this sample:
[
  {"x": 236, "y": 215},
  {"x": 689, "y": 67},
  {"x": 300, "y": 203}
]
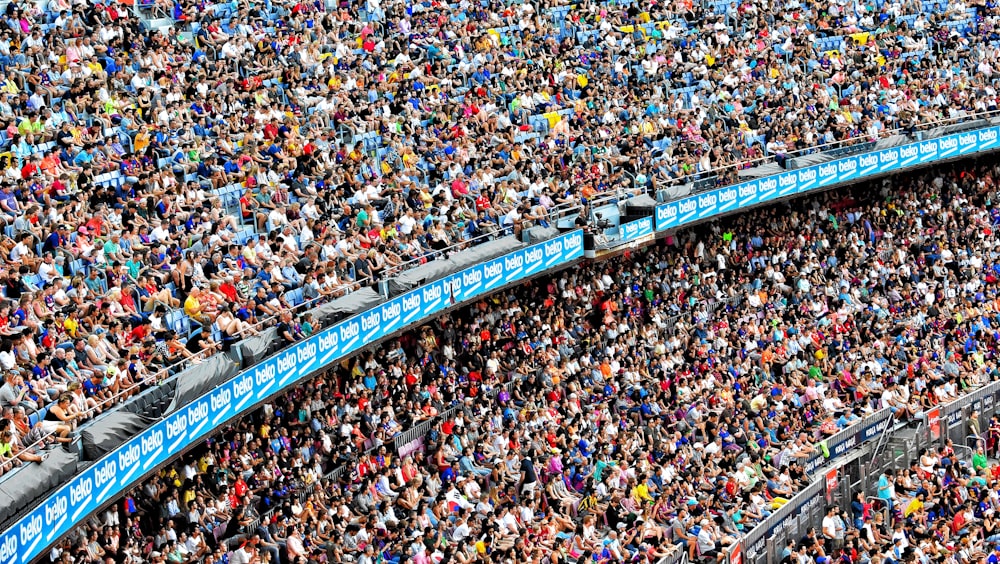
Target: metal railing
[{"x": 821, "y": 148}]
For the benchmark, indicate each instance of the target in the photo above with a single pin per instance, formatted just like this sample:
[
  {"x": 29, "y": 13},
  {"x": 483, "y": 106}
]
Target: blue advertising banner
[
  {"x": 847, "y": 439},
  {"x": 858, "y": 167},
  {"x": 120, "y": 469},
  {"x": 635, "y": 230}
]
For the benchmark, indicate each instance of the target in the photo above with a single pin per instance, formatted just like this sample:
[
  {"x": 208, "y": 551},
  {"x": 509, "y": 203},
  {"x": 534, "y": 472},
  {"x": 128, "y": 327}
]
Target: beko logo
[
  {"x": 244, "y": 386},
  {"x": 105, "y": 473},
  {"x": 431, "y": 294},
  {"x": 868, "y": 161},
  {"x": 264, "y": 374},
  {"x": 887, "y": 157},
  {"x": 493, "y": 270},
  {"x": 328, "y": 341},
  {"x": 54, "y": 512},
  {"x": 152, "y": 442},
  {"x": 9, "y": 548},
  {"x": 349, "y": 331},
  {"x": 573, "y": 242},
  {"x": 728, "y": 195},
  {"x": 554, "y": 248},
  {"x": 370, "y": 321},
  {"x": 394, "y": 308},
  {"x": 707, "y": 202},
  {"x": 130, "y": 456},
  {"x": 848, "y": 165},
  {"x": 80, "y": 490},
  {"x": 687, "y": 206}
]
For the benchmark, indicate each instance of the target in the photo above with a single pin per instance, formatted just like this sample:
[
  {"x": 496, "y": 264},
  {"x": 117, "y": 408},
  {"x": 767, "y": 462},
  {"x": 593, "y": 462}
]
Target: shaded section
[
  {"x": 344, "y": 307},
  {"x": 25, "y": 487},
  {"x": 437, "y": 269},
  {"x": 110, "y": 432},
  {"x": 671, "y": 193},
  {"x": 203, "y": 378},
  {"x": 152, "y": 402},
  {"x": 539, "y": 234},
  {"x": 256, "y": 348}
]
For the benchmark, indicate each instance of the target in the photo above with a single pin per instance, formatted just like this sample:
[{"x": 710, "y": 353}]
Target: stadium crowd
[
  {"x": 612, "y": 413},
  {"x": 167, "y": 191}
]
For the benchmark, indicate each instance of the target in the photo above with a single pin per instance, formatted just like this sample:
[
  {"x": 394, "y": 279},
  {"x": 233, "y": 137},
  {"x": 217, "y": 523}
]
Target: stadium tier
[{"x": 369, "y": 281}]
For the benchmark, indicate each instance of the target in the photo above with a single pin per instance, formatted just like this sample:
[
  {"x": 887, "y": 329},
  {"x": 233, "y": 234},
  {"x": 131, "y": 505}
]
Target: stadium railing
[{"x": 958, "y": 145}]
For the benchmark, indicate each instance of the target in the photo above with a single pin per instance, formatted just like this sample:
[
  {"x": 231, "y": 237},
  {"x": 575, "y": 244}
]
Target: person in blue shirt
[
  {"x": 885, "y": 487},
  {"x": 85, "y": 156}
]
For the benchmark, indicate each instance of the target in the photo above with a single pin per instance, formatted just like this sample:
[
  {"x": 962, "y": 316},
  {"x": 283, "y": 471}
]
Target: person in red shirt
[
  {"x": 240, "y": 488},
  {"x": 958, "y": 522},
  {"x": 482, "y": 202},
  {"x": 271, "y": 130},
  {"x": 32, "y": 167},
  {"x": 140, "y": 331}
]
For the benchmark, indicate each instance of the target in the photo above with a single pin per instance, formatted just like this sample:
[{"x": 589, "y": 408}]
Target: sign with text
[
  {"x": 857, "y": 167},
  {"x": 831, "y": 484},
  {"x": 122, "y": 468},
  {"x": 635, "y": 230},
  {"x": 851, "y": 437},
  {"x": 934, "y": 423}
]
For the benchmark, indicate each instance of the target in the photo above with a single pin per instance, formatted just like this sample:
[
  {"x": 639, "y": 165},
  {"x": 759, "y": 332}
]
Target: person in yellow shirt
[
  {"x": 31, "y": 124},
  {"x": 72, "y": 323},
  {"x": 640, "y": 492},
  {"x": 192, "y": 307},
  {"x": 204, "y": 462},
  {"x": 915, "y": 505}
]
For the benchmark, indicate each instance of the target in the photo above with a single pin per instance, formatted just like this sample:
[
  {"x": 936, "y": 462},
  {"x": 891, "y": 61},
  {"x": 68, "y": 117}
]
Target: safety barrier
[
  {"x": 846, "y": 439},
  {"x": 122, "y": 468},
  {"x": 158, "y": 444},
  {"x": 807, "y": 508},
  {"x": 854, "y": 168}
]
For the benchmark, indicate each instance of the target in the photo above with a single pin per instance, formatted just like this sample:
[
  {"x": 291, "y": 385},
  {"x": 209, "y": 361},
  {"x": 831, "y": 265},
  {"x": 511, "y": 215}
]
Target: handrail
[
  {"x": 717, "y": 172},
  {"x": 286, "y": 359},
  {"x": 404, "y": 266}
]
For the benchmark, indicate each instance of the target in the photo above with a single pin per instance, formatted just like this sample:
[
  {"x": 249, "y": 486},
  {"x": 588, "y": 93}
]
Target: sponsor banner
[
  {"x": 666, "y": 216},
  {"x": 122, "y": 468},
  {"x": 735, "y": 556},
  {"x": 849, "y": 169},
  {"x": 848, "y": 439},
  {"x": 635, "y": 230},
  {"x": 955, "y": 416},
  {"x": 934, "y": 423},
  {"x": 831, "y": 484}
]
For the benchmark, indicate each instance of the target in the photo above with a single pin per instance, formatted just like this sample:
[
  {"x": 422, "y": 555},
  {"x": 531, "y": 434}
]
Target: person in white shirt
[
  {"x": 461, "y": 531},
  {"x": 47, "y": 269},
  {"x": 294, "y": 546},
  {"x": 706, "y": 541}
]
